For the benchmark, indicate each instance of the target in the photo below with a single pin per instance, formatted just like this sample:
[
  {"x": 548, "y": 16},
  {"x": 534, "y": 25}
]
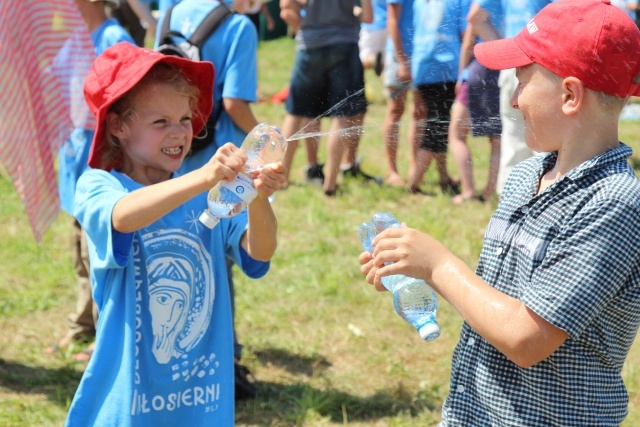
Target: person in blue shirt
[
  {"x": 164, "y": 345},
  {"x": 73, "y": 156},
  {"x": 438, "y": 28},
  {"x": 553, "y": 307},
  {"x": 516, "y": 15},
  {"x": 483, "y": 109},
  {"x": 232, "y": 49}
]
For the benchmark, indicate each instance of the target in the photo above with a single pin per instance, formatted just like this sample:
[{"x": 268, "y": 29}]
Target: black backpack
[{"x": 190, "y": 49}]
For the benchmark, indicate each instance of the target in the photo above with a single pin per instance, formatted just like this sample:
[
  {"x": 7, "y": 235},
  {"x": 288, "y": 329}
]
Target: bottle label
[{"x": 242, "y": 187}]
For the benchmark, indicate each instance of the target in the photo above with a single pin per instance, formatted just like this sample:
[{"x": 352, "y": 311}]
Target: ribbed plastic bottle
[
  {"x": 413, "y": 299},
  {"x": 263, "y": 145}
]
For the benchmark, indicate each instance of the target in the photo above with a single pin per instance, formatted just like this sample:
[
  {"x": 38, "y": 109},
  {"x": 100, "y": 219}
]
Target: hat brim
[
  {"x": 200, "y": 73},
  {"x": 501, "y": 54}
]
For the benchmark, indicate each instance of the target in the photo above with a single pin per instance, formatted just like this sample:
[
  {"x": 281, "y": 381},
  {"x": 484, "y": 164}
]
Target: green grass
[{"x": 325, "y": 348}]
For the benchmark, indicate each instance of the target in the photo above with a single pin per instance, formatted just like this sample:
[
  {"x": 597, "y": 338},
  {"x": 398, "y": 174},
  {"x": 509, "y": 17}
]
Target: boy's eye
[
  {"x": 160, "y": 122},
  {"x": 185, "y": 119}
]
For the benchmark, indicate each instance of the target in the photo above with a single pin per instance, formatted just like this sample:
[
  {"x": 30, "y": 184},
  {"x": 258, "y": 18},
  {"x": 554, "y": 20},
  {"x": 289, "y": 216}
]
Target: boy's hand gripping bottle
[
  {"x": 264, "y": 144},
  {"x": 413, "y": 299}
]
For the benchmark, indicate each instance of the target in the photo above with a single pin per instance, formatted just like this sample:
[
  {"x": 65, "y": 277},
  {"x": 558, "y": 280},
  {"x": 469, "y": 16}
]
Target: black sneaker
[
  {"x": 314, "y": 174},
  {"x": 245, "y": 389},
  {"x": 354, "y": 171}
]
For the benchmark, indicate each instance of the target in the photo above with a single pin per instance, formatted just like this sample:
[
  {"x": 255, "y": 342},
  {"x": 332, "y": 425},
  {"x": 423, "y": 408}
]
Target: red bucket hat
[
  {"x": 592, "y": 40},
  {"x": 119, "y": 68}
]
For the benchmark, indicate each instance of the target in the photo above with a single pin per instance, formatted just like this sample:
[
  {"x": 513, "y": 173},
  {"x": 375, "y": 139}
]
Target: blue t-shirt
[
  {"x": 233, "y": 51},
  {"x": 74, "y": 152},
  {"x": 164, "y": 346},
  {"x": 379, "y": 16},
  {"x": 517, "y": 13},
  {"x": 438, "y": 26},
  {"x": 496, "y": 14},
  {"x": 405, "y": 25}
]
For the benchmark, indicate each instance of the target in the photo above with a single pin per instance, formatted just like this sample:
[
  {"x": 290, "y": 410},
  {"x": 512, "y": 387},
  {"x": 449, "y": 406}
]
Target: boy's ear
[
  {"x": 115, "y": 125},
  {"x": 573, "y": 92}
]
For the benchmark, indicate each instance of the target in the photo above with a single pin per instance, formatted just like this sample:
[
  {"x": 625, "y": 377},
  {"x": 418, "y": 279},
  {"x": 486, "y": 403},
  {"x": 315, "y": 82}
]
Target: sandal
[{"x": 450, "y": 187}]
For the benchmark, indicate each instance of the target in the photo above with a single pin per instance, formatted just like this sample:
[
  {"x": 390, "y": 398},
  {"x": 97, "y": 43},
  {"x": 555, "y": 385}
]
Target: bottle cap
[
  {"x": 429, "y": 332},
  {"x": 208, "y": 220}
]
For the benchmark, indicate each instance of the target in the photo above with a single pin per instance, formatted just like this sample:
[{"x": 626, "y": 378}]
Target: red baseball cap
[
  {"x": 119, "y": 68},
  {"x": 592, "y": 40}
]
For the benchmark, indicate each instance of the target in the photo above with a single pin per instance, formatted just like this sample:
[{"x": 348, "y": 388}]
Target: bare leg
[
  {"x": 458, "y": 131},
  {"x": 335, "y": 147},
  {"x": 395, "y": 109},
  {"x": 312, "y": 143},
  {"x": 419, "y": 112},
  {"x": 352, "y": 141},
  {"x": 423, "y": 160},
  {"x": 494, "y": 166},
  {"x": 290, "y": 126}
]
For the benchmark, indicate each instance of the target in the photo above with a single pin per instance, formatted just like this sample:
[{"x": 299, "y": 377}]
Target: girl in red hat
[{"x": 164, "y": 350}]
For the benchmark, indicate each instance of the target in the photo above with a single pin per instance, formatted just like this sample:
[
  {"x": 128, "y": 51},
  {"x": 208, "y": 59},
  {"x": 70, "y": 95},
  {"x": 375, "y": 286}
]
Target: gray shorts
[{"x": 392, "y": 86}]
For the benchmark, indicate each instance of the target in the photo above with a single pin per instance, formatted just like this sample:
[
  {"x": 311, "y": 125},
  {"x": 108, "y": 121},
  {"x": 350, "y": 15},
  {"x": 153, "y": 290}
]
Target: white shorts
[{"x": 372, "y": 42}]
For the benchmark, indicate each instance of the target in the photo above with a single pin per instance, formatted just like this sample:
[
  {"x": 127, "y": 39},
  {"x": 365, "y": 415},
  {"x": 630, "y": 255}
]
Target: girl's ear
[
  {"x": 573, "y": 93},
  {"x": 115, "y": 125}
]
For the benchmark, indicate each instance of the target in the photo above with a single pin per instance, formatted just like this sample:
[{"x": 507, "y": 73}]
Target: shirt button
[
  {"x": 499, "y": 251},
  {"x": 460, "y": 389},
  {"x": 524, "y": 209},
  {"x": 471, "y": 341}
]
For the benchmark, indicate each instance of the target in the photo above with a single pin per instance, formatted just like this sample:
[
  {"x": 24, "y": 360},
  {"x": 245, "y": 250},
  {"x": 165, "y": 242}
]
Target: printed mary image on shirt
[{"x": 179, "y": 293}]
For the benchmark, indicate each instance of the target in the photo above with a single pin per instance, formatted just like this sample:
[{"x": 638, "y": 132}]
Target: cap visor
[{"x": 501, "y": 54}]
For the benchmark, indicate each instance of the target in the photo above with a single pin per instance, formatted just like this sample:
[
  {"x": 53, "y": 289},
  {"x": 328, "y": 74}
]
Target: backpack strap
[
  {"x": 210, "y": 23},
  {"x": 165, "y": 32}
]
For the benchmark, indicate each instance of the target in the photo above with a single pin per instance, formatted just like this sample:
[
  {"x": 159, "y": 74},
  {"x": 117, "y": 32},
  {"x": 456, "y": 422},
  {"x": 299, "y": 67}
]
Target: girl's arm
[
  {"x": 148, "y": 204},
  {"x": 260, "y": 239}
]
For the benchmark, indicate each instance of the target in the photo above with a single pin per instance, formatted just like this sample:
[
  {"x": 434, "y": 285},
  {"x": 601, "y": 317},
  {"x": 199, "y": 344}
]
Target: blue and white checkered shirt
[{"x": 572, "y": 255}]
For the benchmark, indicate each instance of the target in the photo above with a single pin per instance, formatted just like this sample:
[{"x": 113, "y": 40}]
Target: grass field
[{"x": 326, "y": 349}]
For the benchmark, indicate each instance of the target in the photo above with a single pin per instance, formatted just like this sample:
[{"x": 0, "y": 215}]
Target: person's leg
[
  {"x": 335, "y": 148},
  {"x": 82, "y": 322},
  {"x": 391, "y": 134},
  {"x": 513, "y": 149},
  {"x": 313, "y": 170},
  {"x": 415, "y": 136},
  {"x": 290, "y": 126},
  {"x": 438, "y": 98},
  {"x": 494, "y": 167},
  {"x": 458, "y": 131},
  {"x": 396, "y": 98},
  {"x": 307, "y": 98}
]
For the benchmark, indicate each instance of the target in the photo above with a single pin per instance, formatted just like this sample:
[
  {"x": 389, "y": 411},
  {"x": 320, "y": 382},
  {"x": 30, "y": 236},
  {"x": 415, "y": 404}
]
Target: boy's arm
[
  {"x": 479, "y": 18},
  {"x": 148, "y": 204},
  {"x": 505, "y": 322}
]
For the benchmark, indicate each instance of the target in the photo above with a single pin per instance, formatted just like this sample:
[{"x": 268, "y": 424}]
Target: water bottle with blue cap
[{"x": 413, "y": 299}]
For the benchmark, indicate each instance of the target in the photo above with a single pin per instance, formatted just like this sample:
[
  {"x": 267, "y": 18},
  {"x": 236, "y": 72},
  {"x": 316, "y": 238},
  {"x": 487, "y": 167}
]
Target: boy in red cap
[
  {"x": 554, "y": 305},
  {"x": 164, "y": 349}
]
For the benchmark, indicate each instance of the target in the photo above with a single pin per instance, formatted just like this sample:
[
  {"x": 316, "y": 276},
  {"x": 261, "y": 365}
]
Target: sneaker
[
  {"x": 314, "y": 174},
  {"x": 378, "y": 65},
  {"x": 245, "y": 389},
  {"x": 354, "y": 171}
]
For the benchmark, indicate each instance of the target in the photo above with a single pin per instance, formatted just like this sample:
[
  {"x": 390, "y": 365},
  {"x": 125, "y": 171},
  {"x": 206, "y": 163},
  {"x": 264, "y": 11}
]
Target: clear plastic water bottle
[
  {"x": 263, "y": 145},
  {"x": 413, "y": 299}
]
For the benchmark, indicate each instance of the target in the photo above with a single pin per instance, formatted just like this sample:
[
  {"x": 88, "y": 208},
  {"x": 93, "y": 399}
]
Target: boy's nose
[{"x": 514, "y": 100}]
